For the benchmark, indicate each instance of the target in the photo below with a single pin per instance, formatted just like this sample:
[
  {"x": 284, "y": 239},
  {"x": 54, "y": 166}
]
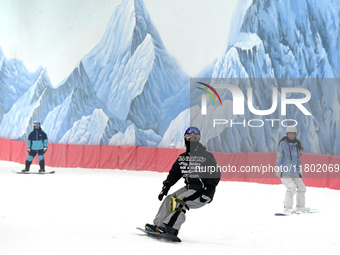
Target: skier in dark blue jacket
[{"x": 36, "y": 144}]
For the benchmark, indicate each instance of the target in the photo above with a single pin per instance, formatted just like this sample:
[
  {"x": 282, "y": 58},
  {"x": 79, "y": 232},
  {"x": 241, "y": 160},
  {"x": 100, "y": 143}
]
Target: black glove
[
  {"x": 28, "y": 151},
  {"x": 165, "y": 189}
]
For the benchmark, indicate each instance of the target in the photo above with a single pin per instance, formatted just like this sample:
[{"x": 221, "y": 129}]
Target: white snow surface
[{"x": 96, "y": 211}]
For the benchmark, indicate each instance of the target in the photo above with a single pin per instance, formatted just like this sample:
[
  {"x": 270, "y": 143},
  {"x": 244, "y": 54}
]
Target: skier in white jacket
[{"x": 289, "y": 163}]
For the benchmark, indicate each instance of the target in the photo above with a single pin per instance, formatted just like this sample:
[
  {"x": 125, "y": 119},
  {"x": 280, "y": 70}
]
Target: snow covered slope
[{"x": 78, "y": 211}]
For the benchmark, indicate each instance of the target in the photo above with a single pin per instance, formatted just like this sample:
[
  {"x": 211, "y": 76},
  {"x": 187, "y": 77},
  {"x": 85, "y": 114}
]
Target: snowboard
[
  {"x": 161, "y": 236},
  {"x": 294, "y": 213},
  {"x": 46, "y": 172}
]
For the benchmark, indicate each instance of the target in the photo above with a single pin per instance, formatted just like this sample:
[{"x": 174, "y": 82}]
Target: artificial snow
[{"x": 96, "y": 211}]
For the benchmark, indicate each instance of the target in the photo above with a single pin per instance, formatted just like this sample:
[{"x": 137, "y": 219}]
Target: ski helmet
[
  {"x": 192, "y": 132},
  {"x": 36, "y": 123},
  {"x": 291, "y": 130}
]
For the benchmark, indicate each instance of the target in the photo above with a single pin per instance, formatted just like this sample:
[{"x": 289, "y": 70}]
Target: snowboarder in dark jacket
[
  {"x": 36, "y": 144},
  {"x": 198, "y": 167}
]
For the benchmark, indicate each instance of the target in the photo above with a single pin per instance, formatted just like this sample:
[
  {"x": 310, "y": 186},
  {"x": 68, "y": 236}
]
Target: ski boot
[
  {"x": 27, "y": 167},
  {"x": 302, "y": 210},
  {"x": 150, "y": 227},
  {"x": 167, "y": 230},
  {"x": 289, "y": 210},
  {"x": 42, "y": 166}
]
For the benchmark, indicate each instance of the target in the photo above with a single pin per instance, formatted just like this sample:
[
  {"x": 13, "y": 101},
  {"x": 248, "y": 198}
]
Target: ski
[
  {"x": 47, "y": 172},
  {"x": 160, "y": 235}
]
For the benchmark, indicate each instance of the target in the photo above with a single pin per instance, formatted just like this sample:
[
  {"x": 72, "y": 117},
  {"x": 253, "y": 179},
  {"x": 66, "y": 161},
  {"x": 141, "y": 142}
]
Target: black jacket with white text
[{"x": 198, "y": 168}]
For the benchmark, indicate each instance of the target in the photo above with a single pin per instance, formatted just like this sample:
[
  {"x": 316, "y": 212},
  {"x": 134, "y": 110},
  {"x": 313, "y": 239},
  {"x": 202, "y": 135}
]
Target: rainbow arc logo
[{"x": 209, "y": 93}]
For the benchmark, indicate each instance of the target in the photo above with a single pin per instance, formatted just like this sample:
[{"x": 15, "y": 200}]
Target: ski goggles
[
  {"x": 36, "y": 123},
  {"x": 192, "y": 132}
]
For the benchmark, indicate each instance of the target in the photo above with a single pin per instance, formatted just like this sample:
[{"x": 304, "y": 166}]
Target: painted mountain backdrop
[
  {"x": 275, "y": 44},
  {"x": 127, "y": 90},
  {"x": 130, "y": 90}
]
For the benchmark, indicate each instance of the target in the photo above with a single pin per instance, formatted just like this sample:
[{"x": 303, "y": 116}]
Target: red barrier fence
[
  {"x": 95, "y": 156},
  {"x": 319, "y": 170}
]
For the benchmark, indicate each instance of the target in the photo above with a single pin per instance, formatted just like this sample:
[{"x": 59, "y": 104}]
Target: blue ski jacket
[
  {"x": 288, "y": 160},
  {"x": 37, "y": 140}
]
